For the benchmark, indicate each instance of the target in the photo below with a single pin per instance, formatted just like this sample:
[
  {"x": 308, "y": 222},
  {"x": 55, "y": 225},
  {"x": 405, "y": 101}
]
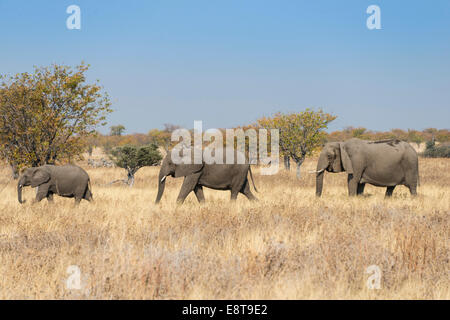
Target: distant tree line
[
  {"x": 411, "y": 136},
  {"x": 161, "y": 137},
  {"x": 299, "y": 138}
]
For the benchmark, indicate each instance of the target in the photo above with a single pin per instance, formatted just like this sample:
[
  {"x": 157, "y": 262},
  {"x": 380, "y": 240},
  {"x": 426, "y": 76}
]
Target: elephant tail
[{"x": 251, "y": 176}]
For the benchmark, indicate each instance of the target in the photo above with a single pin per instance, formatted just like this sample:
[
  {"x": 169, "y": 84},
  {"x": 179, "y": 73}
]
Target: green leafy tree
[
  {"x": 430, "y": 145},
  {"x": 117, "y": 130},
  {"x": 45, "y": 116},
  {"x": 132, "y": 158},
  {"x": 300, "y": 133}
]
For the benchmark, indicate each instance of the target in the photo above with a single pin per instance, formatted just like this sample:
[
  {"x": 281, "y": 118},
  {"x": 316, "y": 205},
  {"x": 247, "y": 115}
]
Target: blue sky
[{"x": 230, "y": 62}]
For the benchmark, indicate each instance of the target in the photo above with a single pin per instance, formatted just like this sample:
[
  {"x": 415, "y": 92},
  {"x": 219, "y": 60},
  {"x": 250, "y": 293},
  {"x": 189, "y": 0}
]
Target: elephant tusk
[
  {"x": 317, "y": 171},
  {"x": 163, "y": 178}
]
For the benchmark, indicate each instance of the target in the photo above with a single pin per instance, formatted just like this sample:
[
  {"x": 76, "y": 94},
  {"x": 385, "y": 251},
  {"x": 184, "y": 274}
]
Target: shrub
[
  {"x": 132, "y": 158},
  {"x": 433, "y": 151}
]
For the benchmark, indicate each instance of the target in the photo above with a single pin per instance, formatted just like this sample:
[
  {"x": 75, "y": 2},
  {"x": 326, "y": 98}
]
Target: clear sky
[{"x": 230, "y": 62}]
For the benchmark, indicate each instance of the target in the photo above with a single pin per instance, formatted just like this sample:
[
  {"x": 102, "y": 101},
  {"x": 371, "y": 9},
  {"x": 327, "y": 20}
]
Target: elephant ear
[
  {"x": 184, "y": 170},
  {"x": 39, "y": 177},
  {"x": 346, "y": 162}
]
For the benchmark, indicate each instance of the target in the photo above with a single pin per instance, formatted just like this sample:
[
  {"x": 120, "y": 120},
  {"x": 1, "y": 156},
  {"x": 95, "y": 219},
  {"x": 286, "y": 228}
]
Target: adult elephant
[
  {"x": 231, "y": 177},
  {"x": 67, "y": 181},
  {"x": 385, "y": 163}
]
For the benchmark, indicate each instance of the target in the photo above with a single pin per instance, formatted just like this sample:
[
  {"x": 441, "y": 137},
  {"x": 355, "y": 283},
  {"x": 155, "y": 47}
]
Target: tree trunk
[
  {"x": 19, "y": 191},
  {"x": 130, "y": 178},
  {"x": 287, "y": 163},
  {"x": 14, "y": 171},
  {"x": 299, "y": 163}
]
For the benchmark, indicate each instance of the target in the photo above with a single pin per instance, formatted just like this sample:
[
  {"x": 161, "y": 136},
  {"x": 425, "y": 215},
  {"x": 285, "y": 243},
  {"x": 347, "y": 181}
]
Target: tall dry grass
[{"x": 289, "y": 245}]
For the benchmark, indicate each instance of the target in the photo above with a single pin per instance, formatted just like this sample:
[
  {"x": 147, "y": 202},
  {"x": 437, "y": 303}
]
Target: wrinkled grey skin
[
  {"x": 67, "y": 181},
  {"x": 385, "y": 163},
  {"x": 231, "y": 177}
]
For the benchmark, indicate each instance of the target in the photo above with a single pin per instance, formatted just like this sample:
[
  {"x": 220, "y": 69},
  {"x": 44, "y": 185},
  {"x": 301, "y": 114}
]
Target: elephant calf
[
  {"x": 385, "y": 163},
  {"x": 231, "y": 177},
  {"x": 67, "y": 181}
]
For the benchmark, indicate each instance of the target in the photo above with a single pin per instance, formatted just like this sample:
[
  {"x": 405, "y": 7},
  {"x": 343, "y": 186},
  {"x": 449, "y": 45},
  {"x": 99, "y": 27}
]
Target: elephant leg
[
  {"x": 77, "y": 201},
  {"x": 41, "y": 192},
  {"x": 189, "y": 184},
  {"x": 413, "y": 189},
  {"x": 412, "y": 180},
  {"x": 246, "y": 191},
  {"x": 40, "y": 196},
  {"x": 80, "y": 194},
  {"x": 360, "y": 189},
  {"x": 389, "y": 191},
  {"x": 238, "y": 184},
  {"x": 353, "y": 182},
  {"x": 88, "y": 195},
  {"x": 199, "y": 194},
  {"x": 234, "y": 194},
  {"x": 50, "y": 197}
]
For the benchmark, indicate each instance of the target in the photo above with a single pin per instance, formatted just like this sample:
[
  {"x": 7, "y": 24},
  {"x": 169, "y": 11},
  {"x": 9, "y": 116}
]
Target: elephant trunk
[
  {"x": 19, "y": 191},
  {"x": 319, "y": 183},
  {"x": 161, "y": 186},
  {"x": 322, "y": 164}
]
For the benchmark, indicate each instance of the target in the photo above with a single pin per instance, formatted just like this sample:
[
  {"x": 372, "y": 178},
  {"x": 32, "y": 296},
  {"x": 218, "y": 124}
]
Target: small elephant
[
  {"x": 67, "y": 181},
  {"x": 385, "y": 163},
  {"x": 231, "y": 177}
]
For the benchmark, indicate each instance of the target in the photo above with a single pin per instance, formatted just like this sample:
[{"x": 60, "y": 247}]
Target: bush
[
  {"x": 433, "y": 151},
  {"x": 132, "y": 158}
]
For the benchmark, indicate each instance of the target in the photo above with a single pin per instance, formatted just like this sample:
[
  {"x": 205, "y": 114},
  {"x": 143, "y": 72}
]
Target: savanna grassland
[{"x": 288, "y": 245}]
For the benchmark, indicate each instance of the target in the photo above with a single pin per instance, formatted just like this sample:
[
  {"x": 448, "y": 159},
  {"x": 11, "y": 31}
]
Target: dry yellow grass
[{"x": 289, "y": 245}]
